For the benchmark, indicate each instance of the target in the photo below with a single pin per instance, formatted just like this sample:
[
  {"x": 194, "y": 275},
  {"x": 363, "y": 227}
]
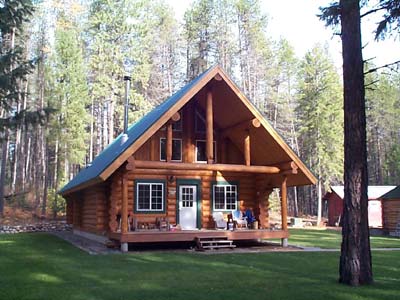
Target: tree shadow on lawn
[{"x": 40, "y": 266}]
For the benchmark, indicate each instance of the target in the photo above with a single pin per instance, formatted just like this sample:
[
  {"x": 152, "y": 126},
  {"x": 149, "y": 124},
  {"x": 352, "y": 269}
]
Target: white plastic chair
[
  {"x": 237, "y": 217},
  {"x": 220, "y": 223}
]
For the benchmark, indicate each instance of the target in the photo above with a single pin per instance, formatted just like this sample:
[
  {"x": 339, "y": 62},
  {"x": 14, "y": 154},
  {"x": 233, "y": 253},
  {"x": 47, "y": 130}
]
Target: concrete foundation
[
  {"x": 124, "y": 247},
  {"x": 284, "y": 242}
]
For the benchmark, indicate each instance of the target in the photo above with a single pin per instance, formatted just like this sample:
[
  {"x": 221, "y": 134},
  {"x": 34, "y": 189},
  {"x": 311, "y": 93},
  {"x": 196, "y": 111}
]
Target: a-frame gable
[{"x": 107, "y": 162}]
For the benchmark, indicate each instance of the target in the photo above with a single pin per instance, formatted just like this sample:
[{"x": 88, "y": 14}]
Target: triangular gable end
[{"x": 116, "y": 154}]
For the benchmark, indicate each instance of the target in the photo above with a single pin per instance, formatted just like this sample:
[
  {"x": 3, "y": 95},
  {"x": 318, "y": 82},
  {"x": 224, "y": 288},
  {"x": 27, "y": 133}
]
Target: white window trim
[
  {"x": 205, "y": 161},
  {"x": 162, "y": 196},
  {"x": 236, "y": 196},
  {"x": 174, "y": 139}
]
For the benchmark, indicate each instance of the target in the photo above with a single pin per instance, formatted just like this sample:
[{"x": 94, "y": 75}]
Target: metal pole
[{"x": 127, "y": 80}]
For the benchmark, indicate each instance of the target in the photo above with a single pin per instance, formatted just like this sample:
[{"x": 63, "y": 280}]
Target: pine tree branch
[
  {"x": 372, "y": 11},
  {"x": 381, "y": 67}
]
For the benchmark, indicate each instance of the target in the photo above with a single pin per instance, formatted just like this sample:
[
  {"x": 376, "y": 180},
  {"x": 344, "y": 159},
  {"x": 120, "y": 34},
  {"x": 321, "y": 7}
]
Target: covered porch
[{"x": 152, "y": 236}]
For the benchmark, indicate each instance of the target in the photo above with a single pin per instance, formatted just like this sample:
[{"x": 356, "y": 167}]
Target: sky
[{"x": 296, "y": 21}]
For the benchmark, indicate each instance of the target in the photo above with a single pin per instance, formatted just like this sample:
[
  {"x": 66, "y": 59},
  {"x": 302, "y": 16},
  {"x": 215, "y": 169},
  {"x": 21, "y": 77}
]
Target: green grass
[
  {"x": 41, "y": 266},
  {"x": 331, "y": 239}
]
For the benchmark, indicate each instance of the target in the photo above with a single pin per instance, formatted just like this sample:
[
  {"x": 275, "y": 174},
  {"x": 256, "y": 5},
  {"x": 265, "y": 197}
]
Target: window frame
[
  {"x": 174, "y": 139},
  {"x": 196, "y": 151},
  {"x": 150, "y": 183},
  {"x": 224, "y": 185}
]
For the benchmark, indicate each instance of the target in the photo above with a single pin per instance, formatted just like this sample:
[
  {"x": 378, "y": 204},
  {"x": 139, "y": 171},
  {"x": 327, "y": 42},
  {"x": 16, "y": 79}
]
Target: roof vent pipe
[{"x": 127, "y": 80}]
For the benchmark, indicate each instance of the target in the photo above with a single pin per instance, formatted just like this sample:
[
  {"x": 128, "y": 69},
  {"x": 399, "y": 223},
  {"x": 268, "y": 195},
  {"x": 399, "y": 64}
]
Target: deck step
[{"x": 216, "y": 242}]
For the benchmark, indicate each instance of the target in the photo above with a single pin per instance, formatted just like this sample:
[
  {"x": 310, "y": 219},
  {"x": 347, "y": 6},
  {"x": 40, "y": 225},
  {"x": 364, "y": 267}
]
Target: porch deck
[{"x": 149, "y": 236}]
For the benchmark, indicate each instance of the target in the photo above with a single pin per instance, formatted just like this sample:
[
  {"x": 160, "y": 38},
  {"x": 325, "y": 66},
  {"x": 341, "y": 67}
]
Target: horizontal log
[
  {"x": 241, "y": 126},
  {"x": 212, "y": 167}
]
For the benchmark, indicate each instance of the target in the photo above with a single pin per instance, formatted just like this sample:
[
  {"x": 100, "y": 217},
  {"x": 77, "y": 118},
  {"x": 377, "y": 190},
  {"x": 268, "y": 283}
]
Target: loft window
[
  {"x": 150, "y": 197},
  {"x": 224, "y": 197},
  {"x": 201, "y": 155},
  {"x": 176, "y": 149}
]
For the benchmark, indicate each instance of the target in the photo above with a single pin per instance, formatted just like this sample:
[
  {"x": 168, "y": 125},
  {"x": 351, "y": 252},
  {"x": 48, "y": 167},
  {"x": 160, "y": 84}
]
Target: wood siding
[
  {"x": 247, "y": 195},
  {"x": 391, "y": 215}
]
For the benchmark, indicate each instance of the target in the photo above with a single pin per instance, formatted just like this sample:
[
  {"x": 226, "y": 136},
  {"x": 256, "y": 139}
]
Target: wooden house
[
  {"x": 205, "y": 149},
  {"x": 391, "y": 212},
  {"x": 335, "y": 204}
]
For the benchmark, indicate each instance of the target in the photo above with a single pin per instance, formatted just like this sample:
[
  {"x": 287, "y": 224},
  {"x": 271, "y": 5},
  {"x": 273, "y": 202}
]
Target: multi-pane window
[
  {"x": 201, "y": 153},
  {"x": 176, "y": 149},
  {"x": 150, "y": 196},
  {"x": 225, "y": 197},
  {"x": 187, "y": 197}
]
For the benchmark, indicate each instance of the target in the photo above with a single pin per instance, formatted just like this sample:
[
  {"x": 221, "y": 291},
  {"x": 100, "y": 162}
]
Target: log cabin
[
  {"x": 206, "y": 149},
  {"x": 391, "y": 212},
  {"x": 335, "y": 197}
]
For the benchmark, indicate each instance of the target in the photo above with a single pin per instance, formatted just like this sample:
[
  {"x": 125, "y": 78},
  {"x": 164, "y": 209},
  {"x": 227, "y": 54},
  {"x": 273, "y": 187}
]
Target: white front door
[{"x": 187, "y": 207}]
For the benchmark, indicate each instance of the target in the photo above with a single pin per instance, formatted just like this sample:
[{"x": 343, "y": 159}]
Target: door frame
[{"x": 194, "y": 182}]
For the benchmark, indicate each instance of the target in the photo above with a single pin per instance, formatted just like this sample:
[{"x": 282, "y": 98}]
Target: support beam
[
  {"x": 284, "y": 209},
  {"x": 255, "y": 123},
  {"x": 209, "y": 129},
  {"x": 176, "y": 117},
  {"x": 210, "y": 167},
  {"x": 247, "y": 148},
  {"x": 169, "y": 142},
  {"x": 124, "y": 208}
]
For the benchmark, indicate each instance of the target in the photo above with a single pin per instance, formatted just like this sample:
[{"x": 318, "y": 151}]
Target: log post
[
  {"x": 209, "y": 129},
  {"x": 169, "y": 142},
  {"x": 284, "y": 209},
  {"x": 124, "y": 210},
  {"x": 247, "y": 148}
]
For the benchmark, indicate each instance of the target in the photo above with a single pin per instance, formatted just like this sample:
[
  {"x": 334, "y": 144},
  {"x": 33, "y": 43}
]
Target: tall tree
[
  {"x": 320, "y": 118},
  {"x": 13, "y": 71},
  {"x": 355, "y": 259}
]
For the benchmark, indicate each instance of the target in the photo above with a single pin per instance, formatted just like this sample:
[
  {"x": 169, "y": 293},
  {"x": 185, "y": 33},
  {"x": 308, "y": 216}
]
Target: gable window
[
  {"x": 224, "y": 197},
  {"x": 176, "y": 126},
  {"x": 176, "y": 149},
  {"x": 150, "y": 196},
  {"x": 201, "y": 154}
]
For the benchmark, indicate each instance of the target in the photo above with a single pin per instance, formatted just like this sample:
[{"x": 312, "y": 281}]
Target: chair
[
  {"x": 220, "y": 223},
  {"x": 240, "y": 220}
]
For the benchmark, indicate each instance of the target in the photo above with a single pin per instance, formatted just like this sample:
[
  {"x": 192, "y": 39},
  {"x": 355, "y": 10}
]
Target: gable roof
[
  {"x": 116, "y": 153},
  {"x": 393, "y": 194},
  {"x": 374, "y": 191}
]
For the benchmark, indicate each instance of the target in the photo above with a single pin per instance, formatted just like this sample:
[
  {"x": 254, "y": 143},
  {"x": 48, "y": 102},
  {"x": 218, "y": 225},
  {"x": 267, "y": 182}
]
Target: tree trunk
[
  {"x": 4, "y": 149},
  {"x": 355, "y": 260}
]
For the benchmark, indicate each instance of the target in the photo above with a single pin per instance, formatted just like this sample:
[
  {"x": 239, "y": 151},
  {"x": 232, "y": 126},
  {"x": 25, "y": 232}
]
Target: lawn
[
  {"x": 41, "y": 266},
  {"x": 332, "y": 239}
]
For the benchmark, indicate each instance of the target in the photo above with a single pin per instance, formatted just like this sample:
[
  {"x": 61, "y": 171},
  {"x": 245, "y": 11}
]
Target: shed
[
  {"x": 335, "y": 204},
  {"x": 391, "y": 212}
]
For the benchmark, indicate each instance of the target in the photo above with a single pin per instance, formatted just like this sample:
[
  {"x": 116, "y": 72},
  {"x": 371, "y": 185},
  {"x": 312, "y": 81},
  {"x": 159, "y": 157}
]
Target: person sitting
[{"x": 250, "y": 217}]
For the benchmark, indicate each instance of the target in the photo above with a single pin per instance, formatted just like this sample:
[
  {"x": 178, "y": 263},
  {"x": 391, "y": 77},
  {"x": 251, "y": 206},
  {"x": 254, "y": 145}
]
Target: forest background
[{"x": 75, "y": 53}]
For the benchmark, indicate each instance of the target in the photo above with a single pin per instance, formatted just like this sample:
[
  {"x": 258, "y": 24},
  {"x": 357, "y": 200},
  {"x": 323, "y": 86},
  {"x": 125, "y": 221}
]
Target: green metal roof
[
  {"x": 393, "y": 194},
  {"x": 115, "y": 149}
]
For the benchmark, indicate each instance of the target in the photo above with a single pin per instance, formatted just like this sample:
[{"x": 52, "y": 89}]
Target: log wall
[
  {"x": 391, "y": 215},
  {"x": 247, "y": 196}
]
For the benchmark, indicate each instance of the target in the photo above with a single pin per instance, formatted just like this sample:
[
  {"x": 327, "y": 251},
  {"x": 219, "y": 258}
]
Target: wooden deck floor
[{"x": 149, "y": 236}]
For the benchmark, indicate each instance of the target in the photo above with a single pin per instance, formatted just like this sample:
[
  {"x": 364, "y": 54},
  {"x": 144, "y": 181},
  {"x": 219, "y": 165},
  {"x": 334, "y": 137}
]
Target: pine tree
[{"x": 320, "y": 118}]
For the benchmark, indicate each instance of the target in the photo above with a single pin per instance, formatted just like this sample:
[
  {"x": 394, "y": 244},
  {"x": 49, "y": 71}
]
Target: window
[
  {"x": 201, "y": 155},
  {"x": 225, "y": 197},
  {"x": 149, "y": 197},
  {"x": 176, "y": 149}
]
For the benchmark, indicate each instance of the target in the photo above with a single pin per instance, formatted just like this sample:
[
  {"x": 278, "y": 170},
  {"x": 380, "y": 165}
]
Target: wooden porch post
[
  {"x": 284, "y": 209},
  {"x": 247, "y": 148},
  {"x": 209, "y": 129},
  {"x": 169, "y": 142},
  {"x": 124, "y": 212}
]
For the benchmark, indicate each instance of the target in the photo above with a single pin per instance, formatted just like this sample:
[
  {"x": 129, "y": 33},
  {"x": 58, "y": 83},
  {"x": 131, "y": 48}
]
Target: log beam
[
  {"x": 169, "y": 142},
  {"x": 210, "y": 167},
  {"x": 284, "y": 203},
  {"x": 209, "y": 129},
  {"x": 176, "y": 117},
  {"x": 124, "y": 208},
  {"x": 255, "y": 123},
  {"x": 247, "y": 148}
]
